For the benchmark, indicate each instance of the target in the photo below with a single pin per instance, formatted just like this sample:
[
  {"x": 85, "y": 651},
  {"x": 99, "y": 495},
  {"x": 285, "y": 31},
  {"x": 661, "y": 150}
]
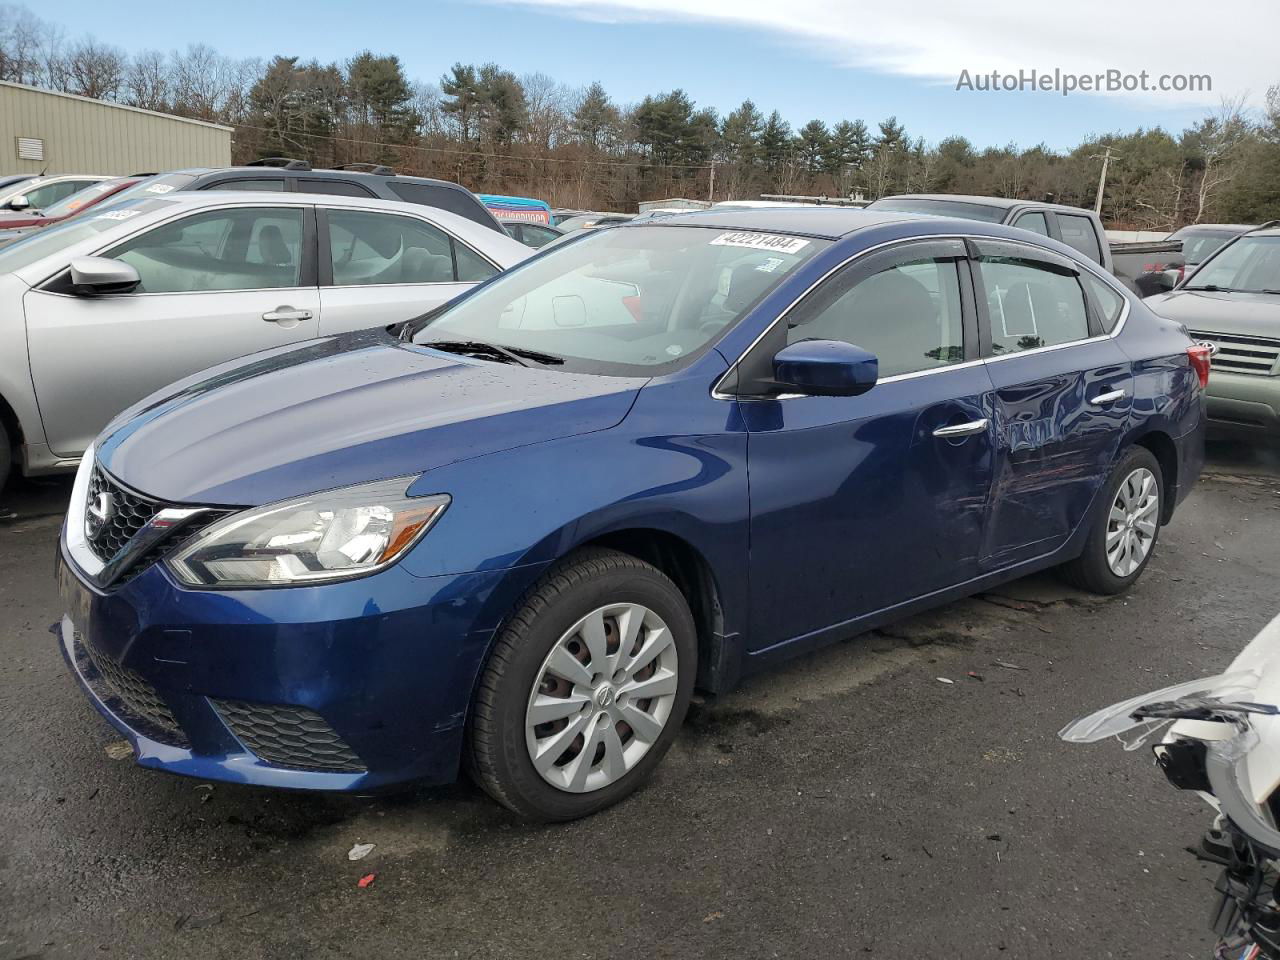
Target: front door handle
[
  {"x": 964, "y": 429},
  {"x": 1102, "y": 399},
  {"x": 286, "y": 314}
]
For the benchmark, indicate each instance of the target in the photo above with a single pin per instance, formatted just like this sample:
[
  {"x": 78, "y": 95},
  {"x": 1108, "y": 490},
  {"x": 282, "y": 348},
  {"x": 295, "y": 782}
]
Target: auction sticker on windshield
[{"x": 760, "y": 241}]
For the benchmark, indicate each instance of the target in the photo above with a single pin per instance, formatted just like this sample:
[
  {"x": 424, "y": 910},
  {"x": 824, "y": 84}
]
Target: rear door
[
  {"x": 215, "y": 285},
  {"x": 1063, "y": 394},
  {"x": 379, "y": 268}
]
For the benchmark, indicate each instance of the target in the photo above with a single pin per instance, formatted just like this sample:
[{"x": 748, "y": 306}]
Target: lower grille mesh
[
  {"x": 138, "y": 698},
  {"x": 288, "y": 736}
]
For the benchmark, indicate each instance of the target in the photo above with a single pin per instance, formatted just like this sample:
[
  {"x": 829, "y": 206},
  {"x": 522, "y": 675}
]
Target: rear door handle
[
  {"x": 286, "y": 314},
  {"x": 1102, "y": 399},
  {"x": 964, "y": 429}
]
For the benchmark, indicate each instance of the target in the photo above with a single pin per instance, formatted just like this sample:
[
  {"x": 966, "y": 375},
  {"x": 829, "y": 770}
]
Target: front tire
[
  {"x": 6, "y": 456},
  {"x": 1125, "y": 527},
  {"x": 586, "y": 687}
]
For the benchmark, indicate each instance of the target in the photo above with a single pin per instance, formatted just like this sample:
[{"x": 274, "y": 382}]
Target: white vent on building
[{"x": 30, "y": 148}]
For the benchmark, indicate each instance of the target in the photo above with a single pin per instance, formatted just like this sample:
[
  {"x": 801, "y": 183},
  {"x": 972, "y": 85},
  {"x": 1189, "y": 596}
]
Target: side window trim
[{"x": 757, "y": 362}]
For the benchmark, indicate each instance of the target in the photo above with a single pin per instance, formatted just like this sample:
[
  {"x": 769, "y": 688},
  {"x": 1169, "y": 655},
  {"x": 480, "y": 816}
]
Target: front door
[
  {"x": 861, "y": 503},
  {"x": 1063, "y": 395},
  {"x": 215, "y": 286}
]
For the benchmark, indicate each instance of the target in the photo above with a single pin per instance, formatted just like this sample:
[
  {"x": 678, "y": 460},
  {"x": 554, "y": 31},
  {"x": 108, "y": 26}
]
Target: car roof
[
  {"x": 828, "y": 223},
  {"x": 1001, "y": 203}
]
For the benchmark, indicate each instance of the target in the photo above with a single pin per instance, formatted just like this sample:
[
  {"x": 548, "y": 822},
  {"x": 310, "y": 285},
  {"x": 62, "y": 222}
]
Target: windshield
[
  {"x": 156, "y": 186},
  {"x": 1199, "y": 245},
  {"x": 89, "y": 195},
  {"x": 941, "y": 208},
  {"x": 635, "y": 301},
  {"x": 40, "y": 244},
  {"x": 1250, "y": 265}
]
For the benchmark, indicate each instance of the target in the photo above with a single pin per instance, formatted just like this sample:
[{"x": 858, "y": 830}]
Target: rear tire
[
  {"x": 604, "y": 644},
  {"x": 1124, "y": 528}
]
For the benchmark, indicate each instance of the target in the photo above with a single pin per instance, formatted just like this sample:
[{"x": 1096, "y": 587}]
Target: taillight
[
  {"x": 1182, "y": 272},
  {"x": 1199, "y": 356}
]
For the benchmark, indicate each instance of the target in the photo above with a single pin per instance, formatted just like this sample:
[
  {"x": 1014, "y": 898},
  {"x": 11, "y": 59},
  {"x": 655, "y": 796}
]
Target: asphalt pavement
[{"x": 848, "y": 805}]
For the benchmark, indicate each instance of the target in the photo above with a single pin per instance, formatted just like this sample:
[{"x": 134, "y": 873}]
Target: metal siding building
[{"x": 80, "y": 135}]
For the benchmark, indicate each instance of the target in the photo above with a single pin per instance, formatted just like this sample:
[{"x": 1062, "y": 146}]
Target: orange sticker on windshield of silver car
[{"x": 760, "y": 241}]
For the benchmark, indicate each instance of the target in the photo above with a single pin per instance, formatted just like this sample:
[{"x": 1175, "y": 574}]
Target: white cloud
[{"x": 1233, "y": 41}]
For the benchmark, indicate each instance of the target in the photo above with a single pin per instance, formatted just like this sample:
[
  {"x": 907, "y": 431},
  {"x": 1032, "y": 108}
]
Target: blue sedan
[{"x": 520, "y": 531}]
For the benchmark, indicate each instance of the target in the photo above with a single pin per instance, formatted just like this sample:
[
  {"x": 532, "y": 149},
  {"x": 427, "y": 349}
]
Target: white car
[
  {"x": 100, "y": 311},
  {"x": 36, "y": 193}
]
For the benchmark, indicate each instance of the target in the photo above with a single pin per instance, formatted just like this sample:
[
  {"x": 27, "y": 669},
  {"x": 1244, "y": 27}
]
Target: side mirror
[
  {"x": 99, "y": 276},
  {"x": 20, "y": 202},
  {"x": 826, "y": 368}
]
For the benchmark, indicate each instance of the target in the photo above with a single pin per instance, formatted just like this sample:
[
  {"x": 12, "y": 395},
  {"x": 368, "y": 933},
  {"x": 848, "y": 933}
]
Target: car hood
[
  {"x": 341, "y": 411},
  {"x": 1206, "y": 311}
]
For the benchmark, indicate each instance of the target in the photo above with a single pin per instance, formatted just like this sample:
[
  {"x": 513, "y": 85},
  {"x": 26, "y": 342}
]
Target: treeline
[{"x": 497, "y": 132}]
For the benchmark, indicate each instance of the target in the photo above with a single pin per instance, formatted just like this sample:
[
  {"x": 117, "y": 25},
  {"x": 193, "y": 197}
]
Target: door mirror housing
[
  {"x": 826, "y": 368},
  {"x": 20, "y": 202},
  {"x": 100, "y": 276}
]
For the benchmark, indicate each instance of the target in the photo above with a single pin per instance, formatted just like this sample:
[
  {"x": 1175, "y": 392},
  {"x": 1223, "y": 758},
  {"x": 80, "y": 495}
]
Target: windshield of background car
[
  {"x": 942, "y": 208},
  {"x": 157, "y": 186},
  {"x": 36, "y": 246},
  {"x": 1199, "y": 245},
  {"x": 635, "y": 301},
  {"x": 89, "y": 195},
  {"x": 1250, "y": 265}
]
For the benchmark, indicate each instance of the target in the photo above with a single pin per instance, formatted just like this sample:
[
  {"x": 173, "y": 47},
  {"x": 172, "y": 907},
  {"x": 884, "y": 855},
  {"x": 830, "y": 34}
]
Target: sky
[{"x": 824, "y": 59}]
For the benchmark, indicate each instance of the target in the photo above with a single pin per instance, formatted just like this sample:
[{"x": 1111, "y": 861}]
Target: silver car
[{"x": 102, "y": 310}]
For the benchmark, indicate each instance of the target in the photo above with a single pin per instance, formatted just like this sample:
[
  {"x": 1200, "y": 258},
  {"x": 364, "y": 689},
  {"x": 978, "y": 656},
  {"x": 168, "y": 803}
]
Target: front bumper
[
  {"x": 1244, "y": 401},
  {"x": 351, "y": 686}
]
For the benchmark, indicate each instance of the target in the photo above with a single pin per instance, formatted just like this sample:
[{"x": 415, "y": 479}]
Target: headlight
[{"x": 329, "y": 536}]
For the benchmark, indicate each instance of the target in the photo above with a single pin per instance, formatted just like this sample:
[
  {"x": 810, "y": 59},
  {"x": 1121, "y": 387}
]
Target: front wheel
[
  {"x": 586, "y": 687},
  {"x": 1125, "y": 527}
]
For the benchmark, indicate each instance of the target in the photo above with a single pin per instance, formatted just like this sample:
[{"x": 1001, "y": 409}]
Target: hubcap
[
  {"x": 1131, "y": 525},
  {"x": 601, "y": 698}
]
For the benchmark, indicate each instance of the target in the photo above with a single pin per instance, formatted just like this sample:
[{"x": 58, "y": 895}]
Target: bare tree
[
  {"x": 146, "y": 81},
  {"x": 1216, "y": 141},
  {"x": 94, "y": 70}
]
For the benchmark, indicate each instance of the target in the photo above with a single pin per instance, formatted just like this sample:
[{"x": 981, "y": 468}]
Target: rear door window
[
  {"x": 1031, "y": 304},
  {"x": 334, "y": 188},
  {"x": 381, "y": 248},
  {"x": 249, "y": 184},
  {"x": 1109, "y": 302},
  {"x": 1078, "y": 232}
]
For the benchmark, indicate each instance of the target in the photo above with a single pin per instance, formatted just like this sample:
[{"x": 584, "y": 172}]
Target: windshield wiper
[
  {"x": 1213, "y": 288},
  {"x": 465, "y": 347}
]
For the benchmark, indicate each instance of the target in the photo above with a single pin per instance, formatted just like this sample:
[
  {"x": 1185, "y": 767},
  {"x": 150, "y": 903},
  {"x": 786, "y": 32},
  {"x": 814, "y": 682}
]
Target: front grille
[
  {"x": 1240, "y": 354},
  {"x": 139, "y": 702},
  {"x": 288, "y": 736},
  {"x": 129, "y": 513}
]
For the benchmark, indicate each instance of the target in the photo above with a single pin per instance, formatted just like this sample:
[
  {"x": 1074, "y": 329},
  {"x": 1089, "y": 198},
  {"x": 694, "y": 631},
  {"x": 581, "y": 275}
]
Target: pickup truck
[{"x": 1074, "y": 226}]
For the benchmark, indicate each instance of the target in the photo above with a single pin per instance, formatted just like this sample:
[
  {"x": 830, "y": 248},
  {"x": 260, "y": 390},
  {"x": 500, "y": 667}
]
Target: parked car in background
[
  {"x": 590, "y": 221},
  {"x": 560, "y": 214},
  {"x": 526, "y": 528},
  {"x": 36, "y": 193},
  {"x": 14, "y": 225},
  {"x": 102, "y": 309},
  {"x": 517, "y": 208},
  {"x": 1197, "y": 243},
  {"x": 1232, "y": 301},
  {"x": 533, "y": 235},
  {"x": 1078, "y": 228},
  {"x": 352, "y": 180}
]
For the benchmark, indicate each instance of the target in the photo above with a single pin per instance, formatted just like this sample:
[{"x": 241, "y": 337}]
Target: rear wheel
[
  {"x": 586, "y": 688},
  {"x": 1125, "y": 527}
]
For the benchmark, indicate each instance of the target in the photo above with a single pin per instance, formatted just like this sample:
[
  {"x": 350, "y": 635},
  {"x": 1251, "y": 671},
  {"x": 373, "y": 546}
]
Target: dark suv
[{"x": 352, "y": 180}]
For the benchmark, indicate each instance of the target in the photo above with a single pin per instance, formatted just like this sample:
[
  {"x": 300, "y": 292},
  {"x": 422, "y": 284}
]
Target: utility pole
[
  {"x": 1102, "y": 179},
  {"x": 711, "y": 193}
]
